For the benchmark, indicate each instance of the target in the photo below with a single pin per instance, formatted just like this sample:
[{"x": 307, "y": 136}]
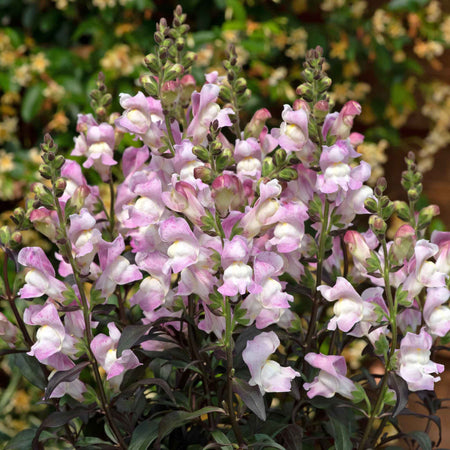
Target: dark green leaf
[
  {"x": 130, "y": 335},
  {"x": 251, "y": 396},
  {"x": 64, "y": 376},
  {"x": 179, "y": 418},
  {"x": 30, "y": 369},
  {"x": 422, "y": 439},
  {"x": 399, "y": 386},
  {"x": 144, "y": 434},
  {"x": 341, "y": 434}
]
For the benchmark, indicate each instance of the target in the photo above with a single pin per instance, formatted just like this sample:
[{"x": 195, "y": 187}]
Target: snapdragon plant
[{"x": 206, "y": 298}]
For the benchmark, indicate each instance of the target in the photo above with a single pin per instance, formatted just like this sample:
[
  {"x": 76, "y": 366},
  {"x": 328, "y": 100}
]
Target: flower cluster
[{"x": 216, "y": 253}]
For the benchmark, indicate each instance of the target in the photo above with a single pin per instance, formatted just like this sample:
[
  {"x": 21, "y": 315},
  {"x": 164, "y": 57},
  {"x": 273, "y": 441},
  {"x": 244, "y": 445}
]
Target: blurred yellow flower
[
  {"x": 54, "y": 91},
  {"x": 120, "y": 61},
  {"x": 23, "y": 75},
  {"x": 5, "y": 41},
  {"x": 358, "y": 8},
  {"x": 330, "y": 5},
  {"x": 351, "y": 69},
  {"x": 445, "y": 29},
  {"x": 7, "y": 128},
  {"x": 6, "y": 161},
  {"x": 428, "y": 49},
  {"x": 7, "y": 58},
  {"x": 299, "y": 6},
  {"x": 21, "y": 401},
  {"x": 374, "y": 154},
  {"x": 298, "y": 42},
  {"x": 433, "y": 11},
  {"x": 124, "y": 28},
  {"x": 39, "y": 62},
  {"x": 60, "y": 122},
  {"x": 338, "y": 49}
]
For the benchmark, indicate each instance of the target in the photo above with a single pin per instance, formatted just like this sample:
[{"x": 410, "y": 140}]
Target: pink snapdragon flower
[
  {"x": 435, "y": 313},
  {"x": 247, "y": 154},
  {"x": 98, "y": 147},
  {"x": 290, "y": 229},
  {"x": 349, "y": 309},
  {"x": 105, "y": 351},
  {"x": 268, "y": 375},
  {"x": 261, "y": 215},
  {"x": 414, "y": 364},
  {"x": 442, "y": 240},
  {"x": 267, "y": 301},
  {"x": 85, "y": 239},
  {"x": 75, "y": 389},
  {"x": 143, "y": 117},
  {"x": 116, "y": 268},
  {"x": 337, "y": 174},
  {"x": 423, "y": 273},
  {"x": 228, "y": 193},
  {"x": 340, "y": 124},
  {"x": 8, "y": 331},
  {"x": 237, "y": 275},
  {"x": 40, "y": 279},
  {"x": 184, "y": 247},
  {"x": 204, "y": 111},
  {"x": 332, "y": 376},
  {"x": 54, "y": 346}
]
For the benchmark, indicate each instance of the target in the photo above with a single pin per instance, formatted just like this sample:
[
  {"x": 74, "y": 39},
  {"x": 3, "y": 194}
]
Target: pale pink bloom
[
  {"x": 204, "y": 111},
  {"x": 261, "y": 215},
  {"x": 40, "y": 279},
  {"x": 85, "y": 239},
  {"x": 332, "y": 376},
  {"x": 75, "y": 389},
  {"x": 53, "y": 344},
  {"x": 8, "y": 331},
  {"x": 237, "y": 276},
  {"x": 268, "y": 375},
  {"x": 228, "y": 193},
  {"x": 143, "y": 117},
  {"x": 212, "y": 323},
  {"x": 45, "y": 221},
  {"x": 247, "y": 154},
  {"x": 349, "y": 309},
  {"x": 414, "y": 364},
  {"x": 184, "y": 247},
  {"x": 98, "y": 147},
  {"x": 288, "y": 232},
  {"x": 105, "y": 351},
  {"x": 340, "y": 124},
  {"x": 116, "y": 269},
  {"x": 435, "y": 313},
  {"x": 267, "y": 301},
  {"x": 442, "y": 240}
]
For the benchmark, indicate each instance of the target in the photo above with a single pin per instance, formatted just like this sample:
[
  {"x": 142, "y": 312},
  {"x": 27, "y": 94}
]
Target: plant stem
[
  {"x": 12, "y": 301},
  {"x": 315, "y": 306},
  {"x": 229, "y": 349},
  {"x": 111, "y": 207},
  {"x": 87, "y": 324},
  {"x": 392, "y": 319}
]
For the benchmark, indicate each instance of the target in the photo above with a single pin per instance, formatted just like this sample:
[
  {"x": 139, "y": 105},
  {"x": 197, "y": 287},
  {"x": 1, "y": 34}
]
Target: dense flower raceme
[{"x": 239, "y": 237}]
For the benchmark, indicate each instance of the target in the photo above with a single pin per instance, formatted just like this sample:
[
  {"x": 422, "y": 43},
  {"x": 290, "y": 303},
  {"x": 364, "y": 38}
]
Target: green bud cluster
[
  {"x": 314, "y": 89},
  {"x": 215, "y": 155},
  {"x": 412, "y": 179},
  {"x": 279, "y": 165},
  {"x": 381, "y": 208},
  {"x": 235, "y": 91},
  {"x": 101, "y": 99}
]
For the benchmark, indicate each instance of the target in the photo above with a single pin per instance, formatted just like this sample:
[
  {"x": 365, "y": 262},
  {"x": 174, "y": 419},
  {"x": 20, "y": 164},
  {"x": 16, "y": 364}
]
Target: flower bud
[
  {"x": 228, "y": 193},
  {"x": 5, "y": 235},
  {"x": 16, "y": 238},
  {"x": 267, "y": 166},
  {"x": 426, "y": 216},
  {"x": 377, "y": 225},
  {"x": 201, "y": 153},
  {"x": 240, "y": 85},
  {"x": 60, "y": 186},
  {"x": 79, "y": 196},
  {"x": 402, "y": 210},
  {"x": 288, "y": 174},
  {"x": 280, "y": 157},
  {"x": 204, "y": 173},
  {"x": 403, "y": 244},
  {"x": 59, "y": 162}
]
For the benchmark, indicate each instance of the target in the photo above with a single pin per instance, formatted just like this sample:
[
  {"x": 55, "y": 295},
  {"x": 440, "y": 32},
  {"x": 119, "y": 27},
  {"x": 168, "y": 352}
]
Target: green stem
[
  {"x": 315, "y": 306},
  {"x": 88, "y": 331},
  {"x": 112, "y": 223},
  {"x": 229, "y": 349},
  {"x": 392, "y": 306},
  {"x": 12, "y": 301}
]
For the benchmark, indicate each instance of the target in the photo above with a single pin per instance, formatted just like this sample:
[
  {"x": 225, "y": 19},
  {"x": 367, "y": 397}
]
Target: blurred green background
[{"x": 391, "y": 56}]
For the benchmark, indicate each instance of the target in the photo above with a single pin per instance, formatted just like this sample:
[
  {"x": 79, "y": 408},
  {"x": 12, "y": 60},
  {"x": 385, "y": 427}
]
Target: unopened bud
[
  {"x": 59, "y": 162},
  {"x": 204, "y": 173},
  {"x": 267, "y": 166},
  {"x": 16, "y": 237},
  {"x": 240, "y": 85},
  {"x": 402, "y": 210},
  {"x": 201, "y": 153},
  {"x": 377, "y": 225}
]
